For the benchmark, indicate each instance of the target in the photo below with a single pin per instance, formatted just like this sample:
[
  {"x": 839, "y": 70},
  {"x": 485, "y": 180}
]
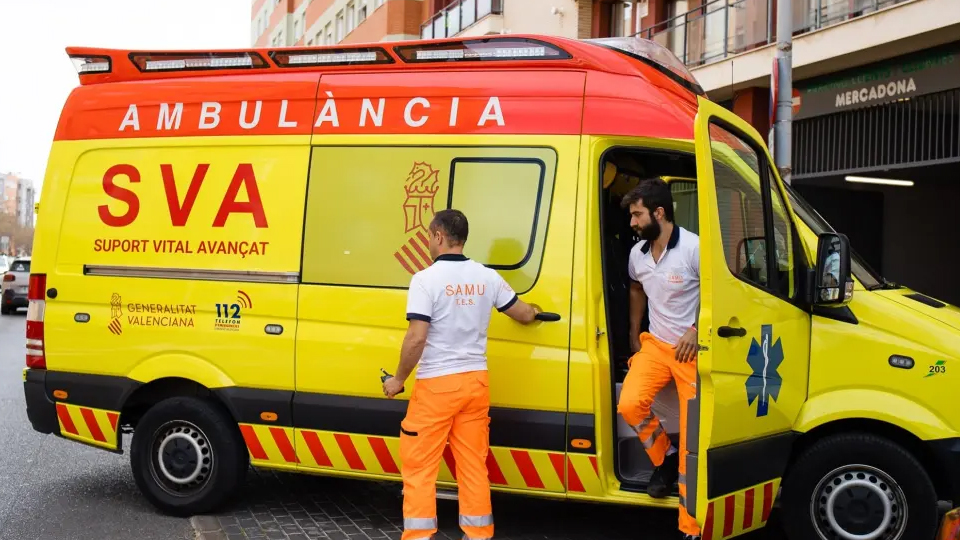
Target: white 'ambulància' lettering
[
  {"x": 284, "y": 123},
  {"x": 880, "y": 91},
  {"x": 131, "y": 119},
  {"x": 368, "y": 110},
  {"x": 408, "y": 112},
  {"x": 416, "y": 113},
  {"x": 210, "y": 115},
  {"x": 256, "y": 115},
  {"x": 167, "y": 120}
]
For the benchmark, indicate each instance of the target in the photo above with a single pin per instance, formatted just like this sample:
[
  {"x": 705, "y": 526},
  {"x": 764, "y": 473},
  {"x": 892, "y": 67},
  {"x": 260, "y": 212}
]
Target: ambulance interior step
[{"x": 633, "y": 464}]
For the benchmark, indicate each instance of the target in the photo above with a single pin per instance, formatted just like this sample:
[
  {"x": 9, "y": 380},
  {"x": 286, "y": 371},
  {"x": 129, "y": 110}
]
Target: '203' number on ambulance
[{"x": 223, "y": 311}]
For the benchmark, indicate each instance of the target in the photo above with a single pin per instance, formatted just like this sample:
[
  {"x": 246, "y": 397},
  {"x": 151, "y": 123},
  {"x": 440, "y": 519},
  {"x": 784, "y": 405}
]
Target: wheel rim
[
  {"x": 182, "y": 459},
  {"x": 858, "y": 502}
]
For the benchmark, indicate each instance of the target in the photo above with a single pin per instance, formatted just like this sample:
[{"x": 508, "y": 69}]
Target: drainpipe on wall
[{"x": 784, "y": 111}]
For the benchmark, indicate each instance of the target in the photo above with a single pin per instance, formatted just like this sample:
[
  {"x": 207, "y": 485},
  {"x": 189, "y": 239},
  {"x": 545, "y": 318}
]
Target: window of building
[
  {"x": 297, "y": 31},
  {"x": 402, "y": 189},
  {"x": 361, "y": 14},
  {"x": 351, "y": 16},
  {"x": 340, "y": 26},
  {"x": 329, "y": 34}
]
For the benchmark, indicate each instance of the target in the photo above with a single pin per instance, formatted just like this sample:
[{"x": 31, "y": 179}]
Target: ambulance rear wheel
[
  {"x": 188, "y": 456},
  {"x": 858, "y": 486}
]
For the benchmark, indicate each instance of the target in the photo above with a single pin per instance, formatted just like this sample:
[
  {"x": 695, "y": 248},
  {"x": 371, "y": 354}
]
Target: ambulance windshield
[{"x": 654, "y": 54}]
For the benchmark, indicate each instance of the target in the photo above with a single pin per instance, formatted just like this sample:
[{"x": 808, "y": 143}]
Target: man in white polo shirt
[
  {"x": 449, "y": 305},
  {"x": 665, "y": 272}
]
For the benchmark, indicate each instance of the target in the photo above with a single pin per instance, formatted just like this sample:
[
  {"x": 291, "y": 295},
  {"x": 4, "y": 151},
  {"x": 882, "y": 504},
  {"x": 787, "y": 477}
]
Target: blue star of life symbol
[{"x": 764, "y": 358}]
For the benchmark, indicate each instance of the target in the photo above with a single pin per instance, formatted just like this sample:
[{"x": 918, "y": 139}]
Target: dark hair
[
  {"x": 654, "y": 192},
  {"x": 453, "y": 224}
]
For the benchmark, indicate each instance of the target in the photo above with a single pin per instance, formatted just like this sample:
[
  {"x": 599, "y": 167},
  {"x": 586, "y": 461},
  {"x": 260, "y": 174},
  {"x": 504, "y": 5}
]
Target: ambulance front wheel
[
  {"x": 858, "y": 486},
  {"x": 188, "y": 456}
]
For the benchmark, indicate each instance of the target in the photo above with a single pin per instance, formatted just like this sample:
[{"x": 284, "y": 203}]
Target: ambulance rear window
[{"x": 654, "y": 55}]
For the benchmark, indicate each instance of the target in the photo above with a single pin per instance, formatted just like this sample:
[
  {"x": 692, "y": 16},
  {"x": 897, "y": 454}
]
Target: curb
[{"x": 207, "y": 528}]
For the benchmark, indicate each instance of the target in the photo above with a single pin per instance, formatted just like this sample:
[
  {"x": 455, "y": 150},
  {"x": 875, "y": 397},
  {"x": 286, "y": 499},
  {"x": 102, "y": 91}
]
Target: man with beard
[{"x": 665, "y": 272}]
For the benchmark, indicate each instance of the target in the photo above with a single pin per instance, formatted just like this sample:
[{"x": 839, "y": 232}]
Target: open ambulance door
[{"x": 754, "y": 332}]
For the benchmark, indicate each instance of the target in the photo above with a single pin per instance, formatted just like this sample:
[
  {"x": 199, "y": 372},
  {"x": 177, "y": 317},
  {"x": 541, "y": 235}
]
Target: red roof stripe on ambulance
[{"x": 598, "y": 91}]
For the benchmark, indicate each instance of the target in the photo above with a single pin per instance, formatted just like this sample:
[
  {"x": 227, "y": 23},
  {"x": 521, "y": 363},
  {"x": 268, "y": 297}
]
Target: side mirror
[{"x": 833, "y": 284}]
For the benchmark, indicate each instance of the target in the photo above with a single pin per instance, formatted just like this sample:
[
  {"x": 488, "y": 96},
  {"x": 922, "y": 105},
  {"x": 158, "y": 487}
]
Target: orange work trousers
[
  {"x": 454, "y": 409},
  {"x": 650, "y": 370}
]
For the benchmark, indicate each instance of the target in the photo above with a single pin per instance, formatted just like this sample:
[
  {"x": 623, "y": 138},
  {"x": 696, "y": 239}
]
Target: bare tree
[{"x": 21, "y": 238}]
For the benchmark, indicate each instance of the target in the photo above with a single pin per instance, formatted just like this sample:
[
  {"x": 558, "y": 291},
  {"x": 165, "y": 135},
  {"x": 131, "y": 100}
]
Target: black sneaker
[{"x": 664, "y": 477}]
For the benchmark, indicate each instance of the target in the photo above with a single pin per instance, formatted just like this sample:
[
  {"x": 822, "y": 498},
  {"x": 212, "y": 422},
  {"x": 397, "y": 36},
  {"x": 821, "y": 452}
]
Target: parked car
[{"x": 16, "y": 281}]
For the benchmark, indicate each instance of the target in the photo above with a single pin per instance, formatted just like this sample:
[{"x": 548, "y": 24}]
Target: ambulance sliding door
[
  {"x": 367, "y": 216},
  {"x": 753, "y": 370}
]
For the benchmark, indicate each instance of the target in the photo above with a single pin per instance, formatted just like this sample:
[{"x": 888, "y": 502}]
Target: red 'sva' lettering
[
  {"x": 179, "y": 212},
  {"x": 243, "y": 177},
  {"x": 120, "y": 194}
]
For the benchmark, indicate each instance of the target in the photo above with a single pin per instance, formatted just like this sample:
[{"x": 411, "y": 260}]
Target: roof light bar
[
  {"x": 91, "y": 64},
  {"x": 162, "y": 62},
  {"x": 331, "y": 57},
  {"x": 482, "y": 50}
]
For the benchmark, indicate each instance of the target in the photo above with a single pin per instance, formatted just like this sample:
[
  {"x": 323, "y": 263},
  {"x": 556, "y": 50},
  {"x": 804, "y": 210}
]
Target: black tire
[
  {"x": 835, "y": 466},
  {"x": 218, "y": 469},
  {"x": 4, "y": 310}
]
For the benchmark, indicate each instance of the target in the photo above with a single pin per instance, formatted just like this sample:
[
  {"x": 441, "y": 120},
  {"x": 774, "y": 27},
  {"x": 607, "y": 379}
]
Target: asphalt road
[
  {"x": 56, "y": 489},
  {"x": 51, "y": 488}
]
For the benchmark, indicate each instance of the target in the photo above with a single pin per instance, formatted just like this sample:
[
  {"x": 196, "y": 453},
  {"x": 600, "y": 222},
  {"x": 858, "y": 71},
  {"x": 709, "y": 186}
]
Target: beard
[{"x": 650, "y": 233}]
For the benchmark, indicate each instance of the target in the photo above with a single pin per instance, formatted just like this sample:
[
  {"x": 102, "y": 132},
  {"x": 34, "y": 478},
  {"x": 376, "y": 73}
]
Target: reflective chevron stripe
[
  {"x": 92, "y": 426},
  {"x": 514, "y": 468}
]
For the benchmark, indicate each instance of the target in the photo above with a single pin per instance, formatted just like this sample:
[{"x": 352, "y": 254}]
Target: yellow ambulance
[{"x": 225, "y": 239}]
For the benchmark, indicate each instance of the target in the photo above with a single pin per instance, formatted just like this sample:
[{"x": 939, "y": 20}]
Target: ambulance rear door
[{"x": 754, "y": 334}]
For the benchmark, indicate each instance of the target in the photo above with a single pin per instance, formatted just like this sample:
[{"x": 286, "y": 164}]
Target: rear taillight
[
  {"x": 36, "y": 358},
  {"x": 9, "y": 277}
]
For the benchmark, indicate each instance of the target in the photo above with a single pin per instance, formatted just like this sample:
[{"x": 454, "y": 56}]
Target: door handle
[
  {"x": 547, "y": 316},
  {"x": 729, "y": 331}
]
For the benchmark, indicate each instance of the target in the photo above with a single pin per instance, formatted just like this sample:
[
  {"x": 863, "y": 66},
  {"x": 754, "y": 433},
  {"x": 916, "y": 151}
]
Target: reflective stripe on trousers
[
  {"x": 650, "y": 441},
  {"x": 476, "y": 521},
  {"x": 419, "y": 524}
]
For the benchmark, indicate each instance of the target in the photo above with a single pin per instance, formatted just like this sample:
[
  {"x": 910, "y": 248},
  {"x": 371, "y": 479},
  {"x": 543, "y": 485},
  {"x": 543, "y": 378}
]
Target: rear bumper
[
  {"x": 12, "y": 299},
  {"x": 41, "y": 411}
]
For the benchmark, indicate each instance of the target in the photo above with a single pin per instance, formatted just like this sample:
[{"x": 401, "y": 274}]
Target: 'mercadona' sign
[{"x": 904, "y": 77}]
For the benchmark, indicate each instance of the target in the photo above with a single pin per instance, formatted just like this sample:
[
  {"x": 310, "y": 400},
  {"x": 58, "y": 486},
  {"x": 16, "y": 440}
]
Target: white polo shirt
[
  {"x": 672, "y": 284},
  {"x": 456, "y": 296}
]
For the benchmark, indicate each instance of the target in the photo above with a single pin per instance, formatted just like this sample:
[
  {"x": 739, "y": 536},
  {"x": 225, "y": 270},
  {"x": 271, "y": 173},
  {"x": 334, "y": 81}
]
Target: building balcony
[
  {"x": 722, "y": 28},
  {"x": 460, "y": 16}
]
